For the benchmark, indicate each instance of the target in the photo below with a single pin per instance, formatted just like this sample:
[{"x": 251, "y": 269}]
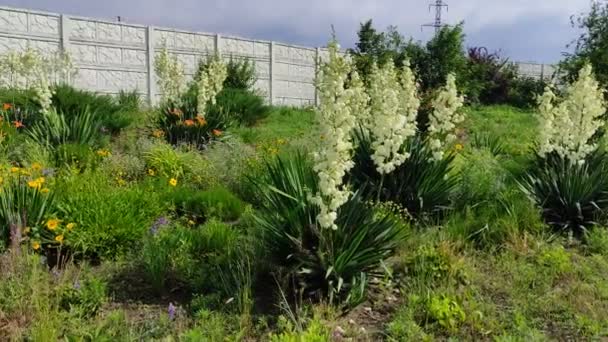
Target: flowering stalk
[
  {"x": 445, "y": 117},
  {"x": 393, "y": 106},
  {"x": 567, "y": 127},
  {"x": 336, "y": 118},
  {"x": 210, "y": 84},
  {"x": 30, "y": 70},
  {"x": 170, "y": 75}
]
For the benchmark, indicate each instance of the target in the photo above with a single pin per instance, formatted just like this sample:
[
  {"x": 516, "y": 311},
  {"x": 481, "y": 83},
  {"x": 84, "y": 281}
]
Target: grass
[{"x": 489, "y": 271}]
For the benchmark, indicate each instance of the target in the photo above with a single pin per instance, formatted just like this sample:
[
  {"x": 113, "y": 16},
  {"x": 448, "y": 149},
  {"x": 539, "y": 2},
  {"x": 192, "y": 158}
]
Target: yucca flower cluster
[
  {"x": 210, "y": 84},
  {"x": 336, "y": 116},
  {"x": 393, "y": 107},
  {"x": 567, "y": 127},
  {"x": 31, "y": 70},
  {"x": 170, "y": 75},
  {"x": 444, "y": 118}
]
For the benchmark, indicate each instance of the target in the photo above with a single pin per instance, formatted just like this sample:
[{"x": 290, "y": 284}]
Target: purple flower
[
  {"x": 171, "y": 311},
  {"x": 161, "y": 221},
  {"x": 48, "y": 172}
]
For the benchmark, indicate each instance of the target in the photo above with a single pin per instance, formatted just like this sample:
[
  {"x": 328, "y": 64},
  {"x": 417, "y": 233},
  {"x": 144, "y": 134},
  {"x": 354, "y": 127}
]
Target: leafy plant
[
  {"x": 321, "y": 261},
  {"x": 242, "y": 106},
  {"x": 25, "y": 203},
  {"x": 199, "y": 206},
  {"x": 489, "y": 142},
  {"x": 446, "y": 311},
  {"x": 111, "y": 114},
  {"x": 180, "y": 122},
  {"x": 55, "y": 128},
  {"x": 241, "y": 73},
  {"x": 573, "y": 196},
  {"x": 420, "y": 185}
]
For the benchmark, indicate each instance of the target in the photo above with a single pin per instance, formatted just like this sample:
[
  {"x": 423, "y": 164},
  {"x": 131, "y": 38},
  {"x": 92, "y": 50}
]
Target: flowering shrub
[
  {"x": 336, "y": 117},
  {"x": 210, "y": 83},
  {"x": 30, "y": 70},
  {"x": 25, "y": 205},
  {"x": 393, "y": 107},
  {"x": 184, "y": 121},
  {"x": 170, "y": 75},
  {"x": 567, "y": 127},
  {"x": 445, "y": 117},
  {"x": 568, "y": 179}
]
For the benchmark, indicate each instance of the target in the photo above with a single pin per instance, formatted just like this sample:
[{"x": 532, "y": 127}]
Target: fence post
[
  {"x": 64, "y": 39},
  {"x": 151, "y": 55},
  {"x": 271, "y": 74},
  {"x": 317, "y": 64},
  {"x": 218, "y": 45}
]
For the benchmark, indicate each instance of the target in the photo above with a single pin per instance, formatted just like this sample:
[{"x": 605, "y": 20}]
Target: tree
[{"x": 591, "y": 46}]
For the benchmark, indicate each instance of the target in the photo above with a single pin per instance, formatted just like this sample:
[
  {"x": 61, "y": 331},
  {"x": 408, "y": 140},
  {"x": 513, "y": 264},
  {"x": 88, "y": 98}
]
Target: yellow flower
[
  {"x": 26, "y": 230},
  {"x": 70, "y": 226},
  {"x": 173, "y": 182},
  {"x": 59, "y": 238},
  {"x": 458, "y": 147},
  {"x": 45, "y": 190},
  {"x": 33, "y": 184},
  {"x": 15, "y": 169},
  {"x": 36, "y": 166},
  {"x": 190, "y": 222},
  {"x": 158, "y": 133},
  {"x": 281, "y": 141},
  {"x": 103, "y": 153},
  {"x": 151, "y": 172},
  {"x": 36, "y": 245},
  {"x": 52, "y": 224}
]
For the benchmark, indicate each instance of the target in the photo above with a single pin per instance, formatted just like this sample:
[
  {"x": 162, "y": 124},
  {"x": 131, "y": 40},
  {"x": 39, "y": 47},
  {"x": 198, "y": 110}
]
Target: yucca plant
[
  {"x": 573, "y": 196},
  {"x": 55, "y": 128},
  {"x": 420, "y": 185},
  {"x": 324, "y": 262},
  {"x": 489, "y": 142}
]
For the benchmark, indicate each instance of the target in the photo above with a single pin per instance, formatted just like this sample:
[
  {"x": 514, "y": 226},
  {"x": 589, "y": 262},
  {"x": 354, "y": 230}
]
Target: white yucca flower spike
[
  {"x": 210, "y": 84},
  {"x": 31, "y": 70},
  {"x": 170, "y": 75},
  {"x": 339, "y": 99},
  {"x": 444, "y": 118},
  {"x": 393, "y": 107},
  {"x": 567, "y": 127}
]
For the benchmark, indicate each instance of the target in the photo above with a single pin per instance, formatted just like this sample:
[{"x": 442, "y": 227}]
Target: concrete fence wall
[{"x": 114, "y": 56}]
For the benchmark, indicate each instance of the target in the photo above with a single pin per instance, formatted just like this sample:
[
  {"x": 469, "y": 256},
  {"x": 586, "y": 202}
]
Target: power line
[{"x": 439, "y": 5}]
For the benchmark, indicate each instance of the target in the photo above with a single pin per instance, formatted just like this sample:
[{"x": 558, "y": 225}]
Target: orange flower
[
  {"x": 176, "y": 112},
  {"x": 201, "y": 120},
  {"x": 18, "y": 124},
  {"x": 189, "y": 122},
  {"x": 217, "y": 132},
  {"x": 7, "y": 106},
  {"x": 36, "y": 245}
]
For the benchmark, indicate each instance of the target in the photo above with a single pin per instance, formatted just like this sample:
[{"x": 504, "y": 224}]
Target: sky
[{"x": 522, "y": 30}]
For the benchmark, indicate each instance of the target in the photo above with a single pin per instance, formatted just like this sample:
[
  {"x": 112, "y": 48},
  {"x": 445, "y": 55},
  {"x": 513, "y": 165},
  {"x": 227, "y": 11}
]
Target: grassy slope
[{"x": 514, "y": 284}]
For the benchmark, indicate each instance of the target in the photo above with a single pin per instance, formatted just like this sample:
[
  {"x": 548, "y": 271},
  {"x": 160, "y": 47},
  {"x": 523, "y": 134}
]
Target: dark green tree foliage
[
  {"x": 377, "y": 47},
  {"x": 591, "y": 46},
  {"x": 444, "y": 54}
]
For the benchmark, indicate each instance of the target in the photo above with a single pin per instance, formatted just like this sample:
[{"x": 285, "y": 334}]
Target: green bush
[
  {"x": 111, "y": 114},
  {"x": 322, "y": 262},
  {"x": 241, "y": 73},
  {"x": 243, "y": 106},
  {"x": 84, "y": 297},
  {"x": 56, "y": 128},
  {"x": 180, "y": 122},
  {"x": 573, "y": 196},
  {"x": 420, "y": 185},
  {"x": 199, "y": 206},
  {"x": 482, "y": 178},
  {"x": 111, "y": 219},
  {"x": 24, "y": 100}
]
